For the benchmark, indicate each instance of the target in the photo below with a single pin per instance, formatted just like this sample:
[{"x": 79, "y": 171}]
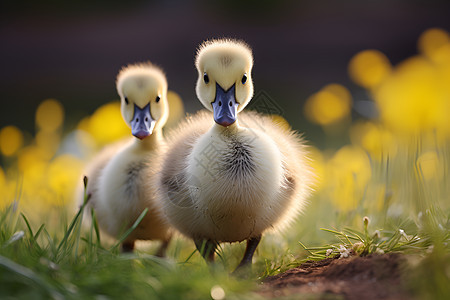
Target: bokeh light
[
  {"x": 369, "y": 68},
  {"x": 374, "y": 139},
  {"x": 106, "y": 124},
  {"x": 11, "y": 140},
  {"x": 49, "y": 115},
  {"x": 348, "y": 173},
  {"x": 414, "y": 98},
  {"x": 63, "y": 173},
  {"x": 432, "y": 42},
  {"x": 176, "y": 109},
  {"x": 328, "y": 106}
]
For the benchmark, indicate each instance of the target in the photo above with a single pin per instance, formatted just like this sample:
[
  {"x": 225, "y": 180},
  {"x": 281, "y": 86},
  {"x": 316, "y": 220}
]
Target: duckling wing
[
  {"x": 171, "y": 182},
  {"x": 297, "y": 171},
  {"x": 94, "y": 170}
]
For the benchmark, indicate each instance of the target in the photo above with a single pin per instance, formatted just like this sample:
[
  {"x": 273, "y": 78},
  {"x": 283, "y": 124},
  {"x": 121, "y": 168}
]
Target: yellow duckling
[
  {"x": 229, "y": 180},
  {"x": 118, "y": 176}
]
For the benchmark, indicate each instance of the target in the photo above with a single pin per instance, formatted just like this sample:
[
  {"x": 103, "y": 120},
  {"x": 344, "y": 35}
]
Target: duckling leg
[
  {"x": 127, "y": 246},
  {"x": 162, "y": 249},
  {"x": 207, "y": 248},
  {"x": 252, "y": 244}
]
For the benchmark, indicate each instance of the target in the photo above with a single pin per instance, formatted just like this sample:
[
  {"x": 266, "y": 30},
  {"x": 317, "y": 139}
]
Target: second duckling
[{"x": 118, "y": 177}]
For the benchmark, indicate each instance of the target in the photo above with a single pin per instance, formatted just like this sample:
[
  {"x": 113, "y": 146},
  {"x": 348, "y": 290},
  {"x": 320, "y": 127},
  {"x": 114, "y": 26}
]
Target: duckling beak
[
  {"x": 142, "y": 124},
  {"x": 225, "y": 106}
]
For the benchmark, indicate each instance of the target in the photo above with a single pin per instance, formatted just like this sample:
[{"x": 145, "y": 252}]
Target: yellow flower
[
  {"x": 106, "y": 124},
  {"x": 2, "y": 178},
  {"x": 48, "y": 143},
  {"x": 432, "y": 42},
  {"x": 413, "y": 100},
  {"x": 348, "y": 174},
  {"x": 11, "y": 140},
  {"x": 63, "y": 174},
  {"x": 369, "y": 68},
  {"x": 176, "y": 109},
  {"x": 49, "y": 115},
  {"x": 328, "y": 106},
  {"x": 377, "y": 141}
]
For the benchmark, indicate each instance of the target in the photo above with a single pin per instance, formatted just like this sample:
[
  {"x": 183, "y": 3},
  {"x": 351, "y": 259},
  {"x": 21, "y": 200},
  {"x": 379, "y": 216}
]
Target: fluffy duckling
[
  {"x": 118, "y": 176},
  {"x": 230, "y": 180}
]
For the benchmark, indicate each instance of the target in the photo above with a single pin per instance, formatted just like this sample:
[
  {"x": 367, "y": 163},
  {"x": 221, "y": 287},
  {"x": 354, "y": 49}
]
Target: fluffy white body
[
  {"x": 230, "y": 184},
  {"x": 118, "y": 178}
]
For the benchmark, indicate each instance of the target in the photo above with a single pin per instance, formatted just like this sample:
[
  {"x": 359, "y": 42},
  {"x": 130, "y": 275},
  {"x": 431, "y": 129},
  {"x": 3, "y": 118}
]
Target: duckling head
[
  {"x": 143, "y": 94},
  {"x": 224, "y": 84}
]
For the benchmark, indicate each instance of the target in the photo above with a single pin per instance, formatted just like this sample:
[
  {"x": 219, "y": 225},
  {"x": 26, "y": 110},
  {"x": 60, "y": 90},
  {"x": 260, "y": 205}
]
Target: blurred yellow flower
[
  {"x": 348, "y": 174},
  {"x": 328, "y": 106},
  {"x": 413, "y": 99},
  {"x": 2, "y": 178},
  {"x": 63, "y": 174},
  {"x": 176, "y": 109},
  {"x": 369, "y": 68},
  {"x": 3, "y": 197},
  {"x": 49, "y": 115},
  {"x": 377, "y": 141},
  {"x": 106, "y": 124},
  {"x": 48, "y": 143},
  {"x": 430, "y": 166},
  {"x": 11, "y": 140},
  {"x": 32, "y": 165},
  {"x": 432, "y": 41}
]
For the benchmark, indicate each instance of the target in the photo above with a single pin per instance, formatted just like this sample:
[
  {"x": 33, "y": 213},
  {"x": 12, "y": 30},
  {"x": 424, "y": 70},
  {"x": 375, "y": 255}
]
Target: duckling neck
[
  {"x": 151, "y": 142},
  {"x": 219, "y": 129}
]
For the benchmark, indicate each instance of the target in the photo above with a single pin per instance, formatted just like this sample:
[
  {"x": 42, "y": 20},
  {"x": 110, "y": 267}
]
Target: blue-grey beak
[
  {"x": 225, "y": 106},
  {"x": 142, "y": 124}
]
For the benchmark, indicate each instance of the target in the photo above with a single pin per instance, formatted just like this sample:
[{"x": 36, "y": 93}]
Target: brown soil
[{"x": 370, "y": 277}]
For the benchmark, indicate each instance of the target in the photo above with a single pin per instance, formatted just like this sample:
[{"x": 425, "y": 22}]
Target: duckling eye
[
  {"x": 244, "y": 79},
  {"x": 158, "y": 98},
  {"x": 126, "y": 100},
  {"x": 205, "y": 78}
]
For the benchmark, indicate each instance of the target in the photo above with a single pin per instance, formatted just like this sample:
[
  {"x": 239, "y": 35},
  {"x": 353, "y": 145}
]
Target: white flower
[
  {"x": 344, "y": 252},
  {"x": 329, "y": 251},
  {"x": 402, "y": 233}
]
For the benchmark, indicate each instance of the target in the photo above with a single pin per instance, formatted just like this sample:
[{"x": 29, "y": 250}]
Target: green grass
[
  {"x": 73, "y": 263},
  {"x": 68, "y": 258}
]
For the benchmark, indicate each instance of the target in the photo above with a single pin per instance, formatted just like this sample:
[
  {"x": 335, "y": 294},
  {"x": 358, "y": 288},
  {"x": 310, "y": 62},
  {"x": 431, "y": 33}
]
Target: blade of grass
[
  {"x": 95, "y": 224},
  {"x": 28, "y": 225},
  {"x": 130, "y": 230},
  {"x": 70, "y": 229},
  {"x": 38, "y": 232},
  {"x": 189, "y": 257}
]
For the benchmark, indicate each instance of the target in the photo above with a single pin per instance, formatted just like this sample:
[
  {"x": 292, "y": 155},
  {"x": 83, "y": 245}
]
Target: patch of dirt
[{"x": 370, "y": 277}]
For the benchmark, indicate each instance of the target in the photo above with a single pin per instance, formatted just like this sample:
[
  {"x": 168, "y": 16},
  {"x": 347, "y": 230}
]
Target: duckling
[
  {"x": 118, "y": 176},
  {"x": 226, "y": 179}
]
